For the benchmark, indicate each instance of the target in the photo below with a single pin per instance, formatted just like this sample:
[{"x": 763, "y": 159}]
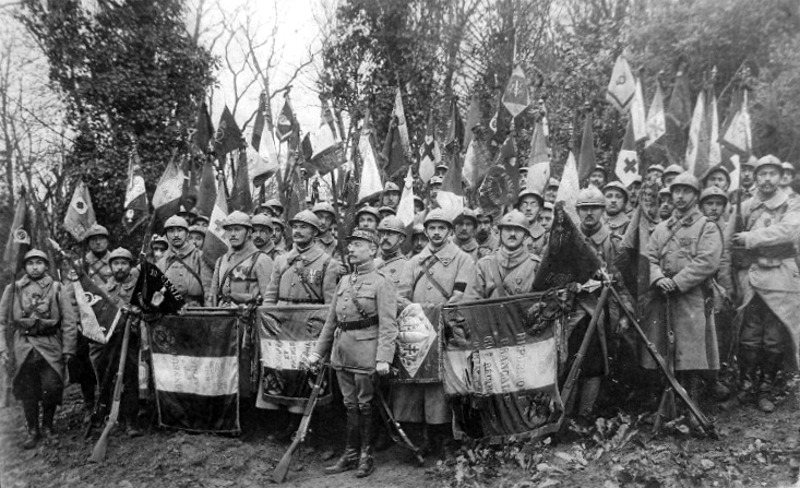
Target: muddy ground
[{"x": 755, "y": 449}]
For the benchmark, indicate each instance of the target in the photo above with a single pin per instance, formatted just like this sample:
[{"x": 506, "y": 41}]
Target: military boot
[
  {"x": 349, "y": 459},
  {"x": 748, "y": 362},
  {"x": 769, "y": 371},
  {"x": 31, "y": 409},
  {"x": 48, "y": 413},
  {"x": 590, "y": 389},
  {"x": 366, "y": 465}
]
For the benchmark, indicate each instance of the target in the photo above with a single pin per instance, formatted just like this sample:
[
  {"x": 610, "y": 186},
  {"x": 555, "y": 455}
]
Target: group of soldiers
[{"x": 695, "y": 262}]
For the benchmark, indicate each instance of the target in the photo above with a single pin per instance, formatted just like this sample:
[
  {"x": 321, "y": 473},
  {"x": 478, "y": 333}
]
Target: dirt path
[{"x": 755, "y": 450}]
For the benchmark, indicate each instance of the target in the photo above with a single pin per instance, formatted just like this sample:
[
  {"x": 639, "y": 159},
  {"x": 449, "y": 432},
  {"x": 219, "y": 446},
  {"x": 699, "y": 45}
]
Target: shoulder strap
[
  {"x": 500, "y": 285},
  {"x": 230, "y": 269},
  {"x": 426, "y": 270},
  {"x": 190, "y": 270}
]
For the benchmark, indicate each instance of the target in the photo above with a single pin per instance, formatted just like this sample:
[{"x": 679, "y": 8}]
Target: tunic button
[{"x": 429, "y": 287}]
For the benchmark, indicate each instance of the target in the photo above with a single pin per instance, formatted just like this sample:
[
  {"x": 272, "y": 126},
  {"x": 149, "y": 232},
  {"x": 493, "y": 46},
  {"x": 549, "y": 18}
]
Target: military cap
[
  {"x": 418, "y": 229},
  {"x": 664, "y": 192},
  {"x": 187, "y": 214},
  {"x": 36, "y": 253},
  {"x": 307, "y": 217},
  {"x": 157, "y": 239},
  {"x": 437, "y": 215},
  {"x": 590, "y": 197},
  {"x": 467, "y": 213},
  {"x": 95, "y": 230},
  {"x": 617, "y": 185},
  {"x": 548, "y": 206},
  {"x": 391, "y": 187},
  {"x": 436, "y": 180},
  {"x": 480, "y": 212},
  {"x": 237, "y": 218},
  {"x": 392, "y": 223},
  {"x": 419, "y": 199},
  {"x": 176, "y": 221},
  {"x": 599, "y": 168},
  {"x": 636, "y": 179},
  {"x": 197, "y": 229},
  {"x": 368, "y": 235},
  {"x": 713, "y": 191},
  {"x": 673, "y": 169},
  {"x": 685, "y": 179},
  {"x": 442, "y": 166},
  {"x": 751, "y": 162},
  {"x": 369, "y": 210},
  {"x": 515, "y": 219},
  {"x": 387, "y": 210},
  {"x": 787, "y": 166},
  {"x": 552, "y": 182},
  {"x": 656, "y": 167},
  {"x": 768, "y": 160},
  {"x": 201, "y": 218},
  {"x": 324, "y": 207},
  {"x": 120, "y": 253},
  {"x": 261, "y": 220}
]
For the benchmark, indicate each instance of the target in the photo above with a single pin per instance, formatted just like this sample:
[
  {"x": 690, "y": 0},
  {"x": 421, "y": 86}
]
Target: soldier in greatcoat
[
  {"x": 465, "y": 225},
  {"x": 615, "y": 218},
  {"x": 359, "y": 335},
  {"x": 44, "y": 338},
  {"x": 263, "y": 235},
  {"x": 684, "y": 253},
  {"x": 769, "y": 283},
  {"x": 488, "y": 241},
  {"x": 183, "y": 263},
  {"x": 327, "y": 219},
  {"x": 530, "y": 203},
  {"x": 391, "y": 235},
  {"x": 437, "y": 275}
]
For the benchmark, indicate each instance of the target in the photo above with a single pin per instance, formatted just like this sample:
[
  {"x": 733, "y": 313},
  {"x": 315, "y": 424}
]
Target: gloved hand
[{"x": 382, "y": 368}]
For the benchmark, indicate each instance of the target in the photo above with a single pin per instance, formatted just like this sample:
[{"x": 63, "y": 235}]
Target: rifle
[
  {"x": 99, "y": 452},
  {"x": 279, "y": 474},
  {"x": 666, "y": 408},
  {"x": 101, "y": 394}
]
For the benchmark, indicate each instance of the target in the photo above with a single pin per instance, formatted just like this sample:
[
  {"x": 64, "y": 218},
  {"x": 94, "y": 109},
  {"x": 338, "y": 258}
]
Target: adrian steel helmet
[
  {"x": 673, "y": 169},
  {"x": 306, "y": 217},
  {"x": 370, "y": 211},
  {"x": 197, "y": 229},
  {"x": 95, "y": 230},
  {"x": 437, "y": 215},
  {"x": 530, "y": 192},
  {"x": 467, "y": 213},
  {"x": 237, "y": 218},
  {"x": 656, "y": 167},
  {"x": 274, "y": 203},
  {"x": 687, "y": 179},
  {"x": 751, "y": 162},
  {"x": 787, "y": 166},
  {"x": 713, "y": 191},
  {"x": 386, "y": 211},
  {"x": 323, "y": 207},
  {"x": 36, "y": 253},
  {"x": 617, "y": 185},
  {"x": 176, "y": 221},
  {"x": 391, "y": 187},
  {"x": 157, "y": 239},
  {"x": 392, "y": 223},
  {"x": 120, "y": 253},
  {"x": 769, "y": 160},
  {"x": 261, "y": 220},
  {"x": 515, "y": 219},
  {"x": 590, "y": 197}
]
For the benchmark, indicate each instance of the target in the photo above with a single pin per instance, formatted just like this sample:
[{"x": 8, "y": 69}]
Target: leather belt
[{"x": 358, "y": 324}]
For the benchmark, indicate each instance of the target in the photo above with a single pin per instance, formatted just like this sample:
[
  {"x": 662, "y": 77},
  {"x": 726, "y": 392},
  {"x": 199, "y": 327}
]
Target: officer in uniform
[
  {"x": 263, "y": 231},
  {"x": 391, "y": 195},
  {"x": 768, "y": 282},
  {"x": 511, "y": 269},
  {"x": 684, "y": 253},
  {"x": 183, "y": 263},
  {"x": 44, "y": 335},
  {"x": 488, "y": 241},
  {"x": 465, "y": 225},
  {"x": 242, "y": 275},
  {"x": 391, "y": 235},
  {"x": 327, "y": 219},
  {"x": 437, "y": 275},
  {"x": 747, "y": 182},
  {"x": 359, "y": 335},
  {"x": 530, "y": 203},
  {"x": 120, "y": 291},
  {"x": 368, "y": 217},
  {"x": 615, "y": 218}
]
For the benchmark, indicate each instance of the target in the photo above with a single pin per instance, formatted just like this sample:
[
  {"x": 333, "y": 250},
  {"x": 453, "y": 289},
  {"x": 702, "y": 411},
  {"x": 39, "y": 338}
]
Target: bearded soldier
[
  {"x": 684, "y": 253},
  {"x": 487, "y": 240},
  {"x": 511, "y": 269},
  {"x": 465, "y": 225},
  {"x": 768, "y": 282},
  {"x": 391, "y": 234},
  {"x": 44, "y": 334},
  {"x": 359, "y": 335},
  {"x": 263, "y": 230},
  {"x": 327, "y": 220},
  {"x": 183, "y": 264},
  {"x": 437, "y": 275}
]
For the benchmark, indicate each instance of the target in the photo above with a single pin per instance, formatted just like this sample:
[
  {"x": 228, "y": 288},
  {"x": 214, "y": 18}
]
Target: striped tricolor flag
[{"x": 196, "y": 372}]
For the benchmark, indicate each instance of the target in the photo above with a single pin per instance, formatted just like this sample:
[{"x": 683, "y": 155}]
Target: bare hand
[
  {"x": 311, "y": 361},
  {"x": 622, "y": 325},
  {"x": 666, "y": 285},
  {"x": 738, "y": 239},
  {"x": 382, "y": 368}
]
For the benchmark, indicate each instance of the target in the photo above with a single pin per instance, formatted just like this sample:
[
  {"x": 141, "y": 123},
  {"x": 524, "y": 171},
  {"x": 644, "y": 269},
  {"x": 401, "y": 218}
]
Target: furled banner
[
  {"x": 196, "y": 371},
  {"x": 418, "y": 357},
  {"x": 500, "y": 364},
  {"x": 287, "y": 336}
]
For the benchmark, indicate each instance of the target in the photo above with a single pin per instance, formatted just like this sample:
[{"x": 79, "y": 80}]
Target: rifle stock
[
  {"x": 99, "y": 451},
  {"x": 279, "y": 474}
]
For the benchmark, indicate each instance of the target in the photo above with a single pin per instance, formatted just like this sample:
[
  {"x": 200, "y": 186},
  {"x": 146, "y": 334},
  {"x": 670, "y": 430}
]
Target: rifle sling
[{"x": 426, "y": 271}]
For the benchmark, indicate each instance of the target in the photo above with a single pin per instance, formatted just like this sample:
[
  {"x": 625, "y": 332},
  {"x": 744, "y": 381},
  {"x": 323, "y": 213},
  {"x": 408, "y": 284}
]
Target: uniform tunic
[
  {"x": 98, "y": 269},
  {"x": 538, "y": 239},
  {"x": 470, "y": 247},
  {"x": 452, "y": 269},
  {"x": 328, "y": 243},
  {"x": 392, "y": 267},
  {"x": 240, "y": 277},
  {"x": 192, "y": 277},
  {"x": 307, "y": 276},
  {"x": 271, "y": 250},
  {"x": 617, "y": 225},
  {"x": 517, "y": 271},
  {"x": 45, "y": 300},
  {"x": 688, "y": 249},
  {"x": 488, "y": 246}
]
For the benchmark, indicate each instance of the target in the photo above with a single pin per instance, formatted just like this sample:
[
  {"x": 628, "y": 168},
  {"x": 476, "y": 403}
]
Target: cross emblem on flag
[
  {"x": 630, "y": 165},
  {"x": 516, "y": 98}
]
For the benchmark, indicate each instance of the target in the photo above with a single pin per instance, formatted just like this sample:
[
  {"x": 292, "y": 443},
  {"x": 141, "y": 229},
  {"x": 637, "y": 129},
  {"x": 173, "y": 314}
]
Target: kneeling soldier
[
  {"x": 359, "y": 334},
  {"x": 44, "y": 337}
]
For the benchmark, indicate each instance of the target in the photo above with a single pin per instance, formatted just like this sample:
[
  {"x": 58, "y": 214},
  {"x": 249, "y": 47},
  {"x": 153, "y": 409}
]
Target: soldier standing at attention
[
  {"x": 391, "y": 234},
  {"x": 530, "y": 203},
  {"x": 263, "y": 230},
  {"x": 391, "y": 195},
  {"x": 359, "y": 335},
  {"x": 465, "y": 225},
  {"x": 43, "y": 338},
  {"x": 240, "y": 276},
  {"x": 487, "y": 240},
  {"x": 684, "y": 253},
  {"x": 183, "y": 264},
  {"x": 768, "y": 282},
  {"x": 616, "y": 219},
  {"x": 327, "y": 220},
  {"x": 436, "y": 276},
  {"x": 511, "y": 269},
  {"x": 368, "y": 218}
]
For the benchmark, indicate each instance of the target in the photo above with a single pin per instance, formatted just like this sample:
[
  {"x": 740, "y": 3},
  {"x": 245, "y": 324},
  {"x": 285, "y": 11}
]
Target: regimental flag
[
  {"x": 698, "y": 145},
  {"x": 216, "y": 244},
  {"x": 500, "y": 187},
  {"x": 154, "y": 293},
  {"x": 622, "y": 85},
  {"x": 455, "y": 129},
  {"x": 322, "y": 151},
  {"x": 19, "y": 237},
  {"x": 203, "y": 131},
  {"x": 196, "y": 371},
  {"x": 714, "y": 150},
  {"x": 656, "y": 121},
  {"x": 473, "y": 118},
  {"x": 418, "y": 355},
  {"x": 478, "y": 159},
  {"x": 506, "y": 385},
  {"x": 632, "y": 260},
  {"x": 516, "y": 96},
  {"x": 399, "y": 115},
  {"x": 678, "y": 116},
  {"x": 430, "y": 155},
  {"x": 265, "y": 161},
  {"x": 240, "y": 193},
  {"x": 394, "y": 149},
  {"x": 228, "y": 136},
  {"x": 99, "y": 315},
  {"x": 207, "y": 192},
  {"x": 405, "y": 209},
  {"x": 136, "y": 208},
  {"x": 167, "y": 197},
  {"x": 627, "y": 167},
  {"x": 370, "y": 184},
  {"x": 638, "y": 115},
  {"x": 737, "y": 136},
  {"x": 570, "y": 187},
  {"x": 451, "y": 195},
  {"x": 287, "y": 123},
  {"x": 80, "y": 214},
  {"x": 538, "y": 161},
  {"x": 586, "y": 161}
]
